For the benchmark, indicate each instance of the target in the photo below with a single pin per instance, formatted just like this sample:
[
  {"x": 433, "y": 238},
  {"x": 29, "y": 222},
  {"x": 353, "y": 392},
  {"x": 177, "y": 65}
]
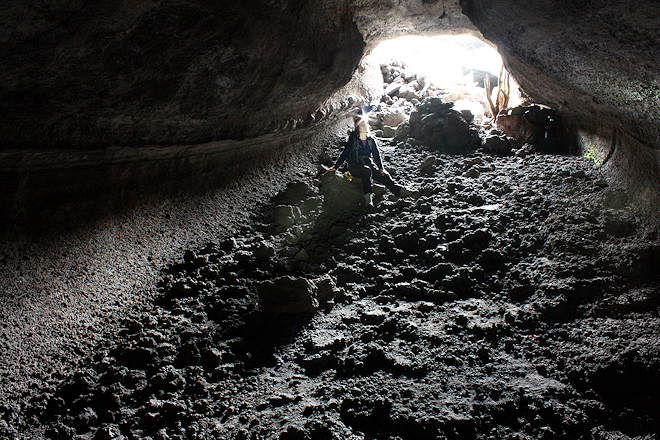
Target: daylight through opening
[{"x": 456, "y": 68}]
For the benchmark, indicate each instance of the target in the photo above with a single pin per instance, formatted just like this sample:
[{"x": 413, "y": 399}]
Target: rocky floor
[{"x": 506, "y": 298}]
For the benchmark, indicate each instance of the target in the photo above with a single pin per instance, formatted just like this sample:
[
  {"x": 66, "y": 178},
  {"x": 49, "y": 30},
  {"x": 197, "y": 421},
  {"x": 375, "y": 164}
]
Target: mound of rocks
[
  {"x": 414, "y": 110},
  {"x": 500, "y": 287},
  {"x": 438, "y": 126},
  {"x": 532, "y": 124},
  {"x": 400, "y": 82}
]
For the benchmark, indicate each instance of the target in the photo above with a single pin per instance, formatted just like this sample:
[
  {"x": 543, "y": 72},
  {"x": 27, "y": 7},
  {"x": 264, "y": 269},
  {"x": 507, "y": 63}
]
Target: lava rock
[
  {"x": 340, "y": 195},
  {"x": 287, "y": 295}
]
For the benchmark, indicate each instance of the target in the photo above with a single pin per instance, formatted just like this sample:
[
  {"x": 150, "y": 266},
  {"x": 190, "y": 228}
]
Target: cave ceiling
[{"x": 83, "y": 75}]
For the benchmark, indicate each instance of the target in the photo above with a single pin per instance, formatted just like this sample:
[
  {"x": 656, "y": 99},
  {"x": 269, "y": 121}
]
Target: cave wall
[
  {"x": 103, "y": 104},
  {"x": 591, "y": 59},
  {"x": 84, "y": 75},
  {"x": 54, "y": 190}
]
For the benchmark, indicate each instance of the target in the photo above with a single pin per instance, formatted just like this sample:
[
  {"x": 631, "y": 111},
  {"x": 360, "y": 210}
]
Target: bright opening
[{"x": 452, "y": 67}]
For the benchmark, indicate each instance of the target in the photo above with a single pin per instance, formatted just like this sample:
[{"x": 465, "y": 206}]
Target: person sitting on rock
[{"x": 363, "y": 157}]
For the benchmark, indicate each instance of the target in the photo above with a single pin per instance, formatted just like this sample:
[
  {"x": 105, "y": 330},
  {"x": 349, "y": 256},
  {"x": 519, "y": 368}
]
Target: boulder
[
  {"x": 229, "y": 245},
  {"x": 456, "y": 130},
  {"x": 395, "y": 117},
  {"x": 263, "y": 250},
  {"x": 497, "y": 143},
  {"x": 467, "y": 115},
  {"x": 388, "y": 131},
  {"x": 428, "y": 164},
  {"x": 435, "y": 104},
  {"x": 431, "y": 120},
  {"x": 408, "y": 76},
  {"x": 285, "y": 215},
  {"x": 534, "y": 124},
  {"x": 295, "y": 192},
  {"x": 407, "y": 92},
  {"x": 437, "y": 125},
  {"x": 287, "y": 296},
  {"x": 402, "y": 131},
  {"x": 109, "y": 432},
  {"x": 301, "y": 255},
  {"x": 393, "y": 89},
  {"x": 415, "y": 117},
  {"x": 339, "y": 194},
  {"x": 326, "y": 289}
]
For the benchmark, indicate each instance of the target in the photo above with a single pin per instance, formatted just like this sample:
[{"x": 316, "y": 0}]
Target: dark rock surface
[
  {"x": 519, "y": 303},
  {"x": 579, "y": 66},
  {"x": 64, "y": 294},
  {"x": 440, "y": 127},
  {"x": 192, "y": 72},
  {"x": 172, "y": 73},
  {"x": 573, "y": 57},
  {"x": 524, "y": 285}
]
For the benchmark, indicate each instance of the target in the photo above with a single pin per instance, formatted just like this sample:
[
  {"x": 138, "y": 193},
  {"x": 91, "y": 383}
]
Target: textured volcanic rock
[
  {"x": 172, "y": 72},
  {"x": 585, "y": 58},
  {"x": 189, "y": 80},
  {"x": 180, "y": 72},
  {"x": 547, "y": 303},
  {"x": 594, "y": 62},
  {"x": 522, "y": 315},
  {"x": 187, "y": 72}
]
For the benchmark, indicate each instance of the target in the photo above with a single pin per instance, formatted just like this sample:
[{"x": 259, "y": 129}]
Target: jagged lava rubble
[{"x": 510, "y": 297}]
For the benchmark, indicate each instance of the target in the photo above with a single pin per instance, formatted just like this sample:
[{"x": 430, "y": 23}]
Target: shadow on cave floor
[{"x": 516, "y": 300}]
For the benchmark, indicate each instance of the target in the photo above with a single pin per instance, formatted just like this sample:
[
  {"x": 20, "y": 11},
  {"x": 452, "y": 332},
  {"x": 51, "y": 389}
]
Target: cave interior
[{"x": 157, "y": 158}]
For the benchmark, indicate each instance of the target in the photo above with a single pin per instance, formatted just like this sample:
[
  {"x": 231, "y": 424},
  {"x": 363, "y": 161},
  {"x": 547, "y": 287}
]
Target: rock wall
[
  {"x": 592, "y": 59},
  {"x": 174, "y": 72},
  {"x": 52, "y": 190},
  {"x": 171, "y": 72}
]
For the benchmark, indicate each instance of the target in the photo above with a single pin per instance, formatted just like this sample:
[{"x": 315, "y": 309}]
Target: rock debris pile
[
  {"x": 440, "y": 127},
  {"x": 415, "y": 111},
  {"x": 507, "y": 298}
]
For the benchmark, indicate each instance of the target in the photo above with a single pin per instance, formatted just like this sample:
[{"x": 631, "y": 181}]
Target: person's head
[{"x": 362, "y": 128}]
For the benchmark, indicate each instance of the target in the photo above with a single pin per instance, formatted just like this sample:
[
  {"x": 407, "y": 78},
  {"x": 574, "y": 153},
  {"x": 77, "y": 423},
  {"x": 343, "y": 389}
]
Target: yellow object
[{"x": 347, "y": 174}]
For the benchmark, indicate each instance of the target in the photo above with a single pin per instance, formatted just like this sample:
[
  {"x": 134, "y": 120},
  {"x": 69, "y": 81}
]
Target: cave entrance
[{"x": 456, "y": 68}]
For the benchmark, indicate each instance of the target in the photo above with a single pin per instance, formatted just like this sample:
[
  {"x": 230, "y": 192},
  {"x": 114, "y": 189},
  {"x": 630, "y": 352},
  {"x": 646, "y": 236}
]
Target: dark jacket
[{"x": 357, "y": 153}]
